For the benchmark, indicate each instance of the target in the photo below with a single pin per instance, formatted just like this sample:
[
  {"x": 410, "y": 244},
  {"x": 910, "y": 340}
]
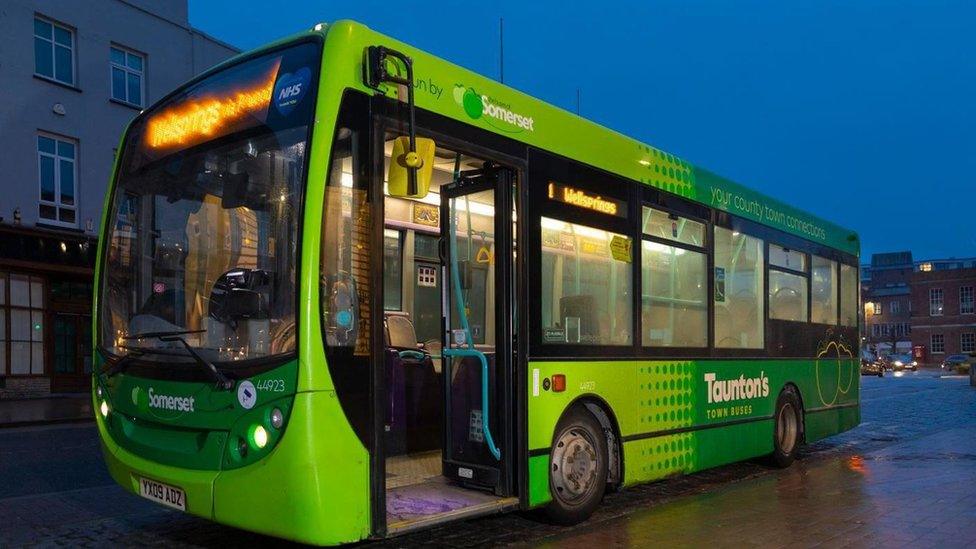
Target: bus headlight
[
  {"x": 104, "y": 409},
  {"x": 277, "y": 418},
  {"x": 259, "y": 436}
]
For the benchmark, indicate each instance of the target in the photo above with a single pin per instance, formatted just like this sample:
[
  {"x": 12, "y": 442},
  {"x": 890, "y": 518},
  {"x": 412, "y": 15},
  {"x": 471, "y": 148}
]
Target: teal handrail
[{"x": 470, "y": 351}]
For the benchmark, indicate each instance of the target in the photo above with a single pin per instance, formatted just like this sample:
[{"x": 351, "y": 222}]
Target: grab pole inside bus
[{"x": 470, "y": 351}]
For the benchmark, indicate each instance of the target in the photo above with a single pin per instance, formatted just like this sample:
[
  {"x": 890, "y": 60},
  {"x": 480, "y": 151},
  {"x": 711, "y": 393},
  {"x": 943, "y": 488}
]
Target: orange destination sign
[
  {"x": 198, "y": 119},
  {"x": 583, "y": 199}
]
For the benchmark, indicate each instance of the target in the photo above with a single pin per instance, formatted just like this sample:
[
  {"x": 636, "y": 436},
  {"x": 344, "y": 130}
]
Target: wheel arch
[{"x": 603, "y": 412}]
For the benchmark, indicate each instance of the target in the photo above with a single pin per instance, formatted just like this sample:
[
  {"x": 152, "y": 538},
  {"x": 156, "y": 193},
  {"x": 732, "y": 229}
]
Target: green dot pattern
[
  {"x": 666, "y": 401},
  {"x": 666, "y": 396},
  {"x": 667, "y": 172},
  {"x": 667, "y": 455}
]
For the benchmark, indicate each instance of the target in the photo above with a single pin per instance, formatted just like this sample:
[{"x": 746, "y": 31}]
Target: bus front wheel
[
  {"x": 787, "y": 426},
  {"x": 577, "y": 467}
]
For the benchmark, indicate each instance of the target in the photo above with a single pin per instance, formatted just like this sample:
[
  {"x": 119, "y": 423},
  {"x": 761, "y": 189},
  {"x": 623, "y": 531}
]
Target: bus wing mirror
[{"x": 404, "y": 162}]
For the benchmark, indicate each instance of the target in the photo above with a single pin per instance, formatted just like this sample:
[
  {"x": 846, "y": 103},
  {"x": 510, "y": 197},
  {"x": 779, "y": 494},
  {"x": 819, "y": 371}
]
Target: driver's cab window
[{"x": 345, "y": 261}]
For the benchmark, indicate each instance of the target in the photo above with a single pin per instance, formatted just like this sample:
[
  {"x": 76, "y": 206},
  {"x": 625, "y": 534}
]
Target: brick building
[
  {"x": 944, "y": 305},
  {"x": 886, "y": 297}
]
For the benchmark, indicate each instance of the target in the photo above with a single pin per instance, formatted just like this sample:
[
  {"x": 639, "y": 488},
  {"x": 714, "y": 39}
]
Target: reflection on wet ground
[{"x": 907, "y": 476}]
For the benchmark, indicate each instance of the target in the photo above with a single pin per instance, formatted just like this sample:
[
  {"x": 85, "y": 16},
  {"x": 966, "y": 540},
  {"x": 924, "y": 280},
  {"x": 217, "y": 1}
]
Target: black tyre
[
  {"x": 787, "y": 429},
  {"x": 881, "y": 373},
  {"x": 577, "y": 467}
]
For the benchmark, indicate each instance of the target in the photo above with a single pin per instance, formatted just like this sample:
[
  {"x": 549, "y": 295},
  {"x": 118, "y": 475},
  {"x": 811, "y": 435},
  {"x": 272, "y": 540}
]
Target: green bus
[{"x": 346, "y": 289}]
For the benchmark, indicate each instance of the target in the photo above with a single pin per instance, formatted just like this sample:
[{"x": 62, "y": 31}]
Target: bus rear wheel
[
  {"x": 787, "y": 427},
  {"x": 577, "y": 467}
]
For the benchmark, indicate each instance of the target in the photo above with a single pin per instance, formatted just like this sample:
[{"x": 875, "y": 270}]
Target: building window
[
  {"x": 935, "y": 302},
  {"x": 674, "y": 282},
  {"x": 876, "y": 308},
  {"x": 938, "y": 343},
  {"x": 925, "y": 267},
  {"x": 875, "y": 330},
  {"x": 57, "y": 171},
  {"x": 21, "y": 324},
  {"x": 967, "y": 342},
  {"x": 738, "y": 295},
  {"x": 128, "y": 75},
  {"x": 586, "y": 285},
  {"x": 966, "y": 300},
  {"x": 894, "y": 307},
  {"x": 54, "y": 47}
]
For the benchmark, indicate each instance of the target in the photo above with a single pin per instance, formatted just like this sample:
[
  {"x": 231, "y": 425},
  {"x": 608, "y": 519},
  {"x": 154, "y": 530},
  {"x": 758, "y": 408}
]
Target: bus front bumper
[
  {"x": 312, "y": 488},
  {"x": 129, "y": 470}
]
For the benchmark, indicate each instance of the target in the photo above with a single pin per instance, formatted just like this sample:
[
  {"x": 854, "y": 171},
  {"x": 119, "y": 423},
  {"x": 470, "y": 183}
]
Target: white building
[{"x": 74, "y": 74}]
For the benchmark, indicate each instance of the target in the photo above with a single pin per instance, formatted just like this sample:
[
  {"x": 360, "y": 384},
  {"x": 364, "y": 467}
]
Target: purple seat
[{"x": 414, "y": 417}]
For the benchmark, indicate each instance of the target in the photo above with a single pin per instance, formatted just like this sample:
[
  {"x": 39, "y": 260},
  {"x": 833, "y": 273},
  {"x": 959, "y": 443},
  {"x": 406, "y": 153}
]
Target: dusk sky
[{"x": 860, "y": 112}]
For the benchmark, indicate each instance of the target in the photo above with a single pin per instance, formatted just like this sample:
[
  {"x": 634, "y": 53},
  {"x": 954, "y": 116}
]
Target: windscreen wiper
[
  {"x": 223, "y": 382},
  {"x": 122, "y": 363},
  {"x": 158, "y": 335}
]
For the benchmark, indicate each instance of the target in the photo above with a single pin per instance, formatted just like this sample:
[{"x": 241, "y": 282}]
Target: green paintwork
[
  {"x": 197, "y": 439},
  {"x": 661, "y": 397},
  {"x": 311, "y": 483},
  {"x": 281, "y": 491}
]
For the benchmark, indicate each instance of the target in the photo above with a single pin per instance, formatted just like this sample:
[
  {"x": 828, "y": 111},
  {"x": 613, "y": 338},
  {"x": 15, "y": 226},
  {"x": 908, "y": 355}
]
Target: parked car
[
  {"x": 902, "y": 361},
  {"x": 870, "y": 365},
  {"x": 952, "y": 361}
]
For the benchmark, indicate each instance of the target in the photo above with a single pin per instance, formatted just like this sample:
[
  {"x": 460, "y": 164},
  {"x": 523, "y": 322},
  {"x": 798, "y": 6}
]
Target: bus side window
[
  {"x": 848, "y": 295},
  {"x": 823, "y": 290},
  {"x": 586, "y": 287},
  {"x": 788, "y": 284},
  {"x": 674, "y": 288},
  {"x": 739, "y": 304}
]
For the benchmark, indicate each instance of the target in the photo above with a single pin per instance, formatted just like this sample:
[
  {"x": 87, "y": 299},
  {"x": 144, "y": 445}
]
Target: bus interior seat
[
  {"x": 584, "y": 308},
  {"x": 413, "y": 381}
]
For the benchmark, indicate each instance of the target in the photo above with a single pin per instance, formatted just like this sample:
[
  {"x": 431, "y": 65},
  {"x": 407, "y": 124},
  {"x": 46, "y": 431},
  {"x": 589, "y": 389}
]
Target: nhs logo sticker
[{"x": 290, "y": 89}]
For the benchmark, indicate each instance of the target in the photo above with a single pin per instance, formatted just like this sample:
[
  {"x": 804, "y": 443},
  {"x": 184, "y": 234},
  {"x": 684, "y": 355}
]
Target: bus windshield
[{"x": 203, "y": 232}]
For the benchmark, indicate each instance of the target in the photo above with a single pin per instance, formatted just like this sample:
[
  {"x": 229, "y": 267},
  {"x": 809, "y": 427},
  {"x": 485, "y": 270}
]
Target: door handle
[{"x": 442, "y": 249}]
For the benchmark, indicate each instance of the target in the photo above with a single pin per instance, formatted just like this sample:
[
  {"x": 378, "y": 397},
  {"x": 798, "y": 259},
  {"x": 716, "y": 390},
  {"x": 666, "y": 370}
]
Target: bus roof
[{"x": 458, "y": 93}]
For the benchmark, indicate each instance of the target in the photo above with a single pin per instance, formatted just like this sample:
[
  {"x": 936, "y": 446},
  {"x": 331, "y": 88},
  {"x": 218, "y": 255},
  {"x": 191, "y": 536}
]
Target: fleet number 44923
[{"x": 271, "y": 385}]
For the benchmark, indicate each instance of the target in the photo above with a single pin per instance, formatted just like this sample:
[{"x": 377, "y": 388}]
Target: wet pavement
[
  {"x": 920, "y": 493},
  {"x": 905, "y": 477},
  {"x": 40, "y": 411}
]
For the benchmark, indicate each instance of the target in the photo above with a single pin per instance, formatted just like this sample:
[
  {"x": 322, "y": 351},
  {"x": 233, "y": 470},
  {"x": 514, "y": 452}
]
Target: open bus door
[{"x": 478, "y": 298}]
